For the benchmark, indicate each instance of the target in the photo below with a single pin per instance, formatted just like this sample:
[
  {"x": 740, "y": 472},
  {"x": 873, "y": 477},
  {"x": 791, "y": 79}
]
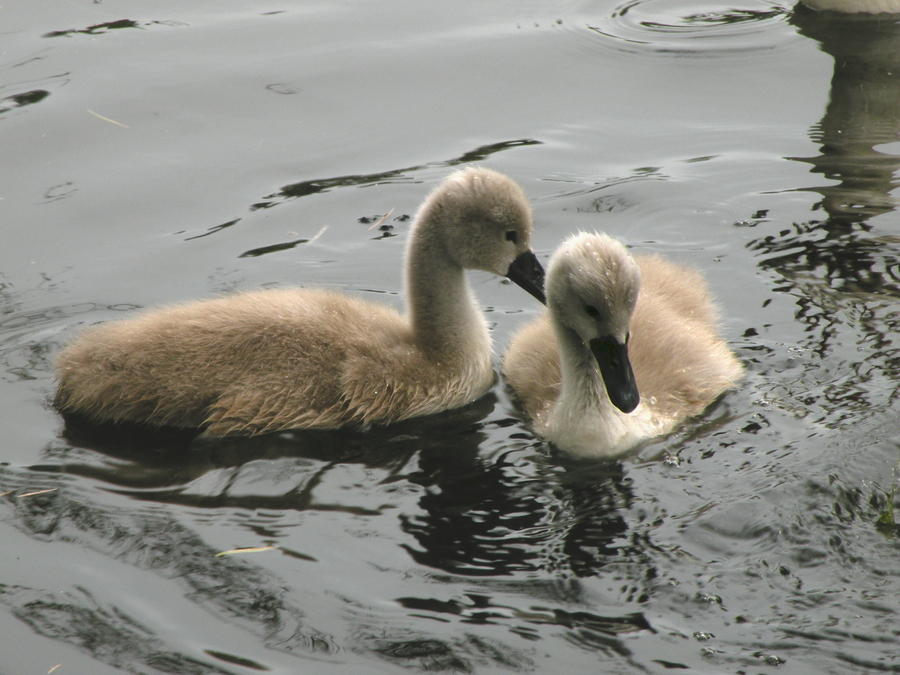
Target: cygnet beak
[
  {"x": 526, "y": 271},
  {"x": 612, "y": 358}
]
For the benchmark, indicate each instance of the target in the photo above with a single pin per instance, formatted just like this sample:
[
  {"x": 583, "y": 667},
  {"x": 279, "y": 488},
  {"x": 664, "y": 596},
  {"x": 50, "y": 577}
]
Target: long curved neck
[
  {"x": 582, "y": 385},
  {"x": 444, "y": 317},
  {"x": 584, "y": 420}
]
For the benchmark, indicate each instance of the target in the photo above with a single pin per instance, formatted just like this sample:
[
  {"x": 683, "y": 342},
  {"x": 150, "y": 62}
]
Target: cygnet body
[
  {"x": 626, "y": 350},
  {"x": 309, "y": 358}
]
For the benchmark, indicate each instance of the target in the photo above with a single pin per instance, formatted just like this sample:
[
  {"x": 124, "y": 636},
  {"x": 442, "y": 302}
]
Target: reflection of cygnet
[
  {"x": 861, "y": 126},
  {"x": 608, "y": 313},
  {"x": 856, "y": 6},
  {"x": 302, "y": 358}
]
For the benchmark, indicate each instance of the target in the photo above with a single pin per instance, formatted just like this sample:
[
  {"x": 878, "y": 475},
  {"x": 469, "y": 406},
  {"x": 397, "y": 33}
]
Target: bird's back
[
  {"x": 681, "y": 364},
  {"x": 252, "y": 362}
]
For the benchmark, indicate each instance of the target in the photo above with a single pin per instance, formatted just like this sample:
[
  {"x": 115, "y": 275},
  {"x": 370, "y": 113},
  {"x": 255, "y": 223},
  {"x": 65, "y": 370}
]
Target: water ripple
[{"x": 666, "y": 26}]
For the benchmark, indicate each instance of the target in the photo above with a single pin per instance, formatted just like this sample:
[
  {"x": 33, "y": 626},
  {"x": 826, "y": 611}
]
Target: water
[{"x": 155, "y": 153}]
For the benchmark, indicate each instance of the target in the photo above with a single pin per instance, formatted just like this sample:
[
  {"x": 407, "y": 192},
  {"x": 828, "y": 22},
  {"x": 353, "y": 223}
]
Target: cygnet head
[
  {"x": 592, "y": 288},
  {"x": 484, "y": 221}
]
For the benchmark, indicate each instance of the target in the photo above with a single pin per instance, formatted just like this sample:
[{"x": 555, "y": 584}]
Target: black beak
[
  {"x": 612, "y": 357},
  {"x": 527, "y": 272}
]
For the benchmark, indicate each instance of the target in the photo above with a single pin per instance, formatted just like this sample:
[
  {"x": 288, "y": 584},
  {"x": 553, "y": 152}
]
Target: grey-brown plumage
[
  {"x": 305, "y": 358},
  {"x": 628, "y": 348}
]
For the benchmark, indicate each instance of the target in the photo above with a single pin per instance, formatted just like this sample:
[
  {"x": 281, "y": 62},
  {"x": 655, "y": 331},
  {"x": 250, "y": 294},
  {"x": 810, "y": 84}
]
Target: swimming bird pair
[{"x": 305, "y": 358}]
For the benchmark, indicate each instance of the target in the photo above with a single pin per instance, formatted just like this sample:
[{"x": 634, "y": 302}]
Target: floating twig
[
  {"x": 318, "y": 234},
  {"x": 106, "y": 119},
  {"x": 39, "y": 492},
  {"x": 252, "y": 549},
  {"x": 383, "y": 218}
]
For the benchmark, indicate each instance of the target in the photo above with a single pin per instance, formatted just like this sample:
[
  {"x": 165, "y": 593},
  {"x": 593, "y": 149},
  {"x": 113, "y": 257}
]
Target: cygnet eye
[
  {"x": 512, "y": 236},
  {"x": 591, "y": 310}
]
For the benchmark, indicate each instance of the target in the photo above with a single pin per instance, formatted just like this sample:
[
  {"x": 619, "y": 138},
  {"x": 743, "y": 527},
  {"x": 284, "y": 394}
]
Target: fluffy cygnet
[
  {"x": 304, "y": 358},
  {"x": 626, "y": 349}
]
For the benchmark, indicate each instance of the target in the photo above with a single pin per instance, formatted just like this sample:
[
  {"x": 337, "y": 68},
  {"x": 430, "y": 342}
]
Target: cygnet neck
[
  {"x": 444, "y": 317},
  {"x": 584, "y": 419},
  {"x": 582, "y": 385}
]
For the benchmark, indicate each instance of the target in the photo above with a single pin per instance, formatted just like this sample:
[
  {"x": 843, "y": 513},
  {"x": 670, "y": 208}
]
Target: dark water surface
[{"x": 156, "y": 152}]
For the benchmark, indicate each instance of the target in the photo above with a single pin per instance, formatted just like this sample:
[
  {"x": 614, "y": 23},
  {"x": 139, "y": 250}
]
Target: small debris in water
[
  {"x": 318, "y": 234},
  {"x": 770, "y": 659},
  {"x": 38, "y": 492},
  {"x": 106, "y": 119},
  {"x": 710, "y": 598},
  {"x": 251, "y": 549},
  {"x": 383, "y": 218}
]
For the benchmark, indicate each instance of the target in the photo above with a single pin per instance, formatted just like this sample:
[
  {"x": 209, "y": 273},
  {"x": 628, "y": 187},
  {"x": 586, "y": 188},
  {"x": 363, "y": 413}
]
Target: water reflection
[
  {"x": 56, "y": 512},
  {"x": 25, "y": 98},
  {"x": 863, "y": 113},
  {"x": 316, "y": 186},
  {"x": 842, "y": 269},
  {"x": 477, "y": 514},
  {"x": 523, "y": 526},
  {"x": 167, "y": 465},
  {"x": 101, "y": 28},
  {"x": 513, "y": 516},
  {"x": 319, "y": 185}
]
